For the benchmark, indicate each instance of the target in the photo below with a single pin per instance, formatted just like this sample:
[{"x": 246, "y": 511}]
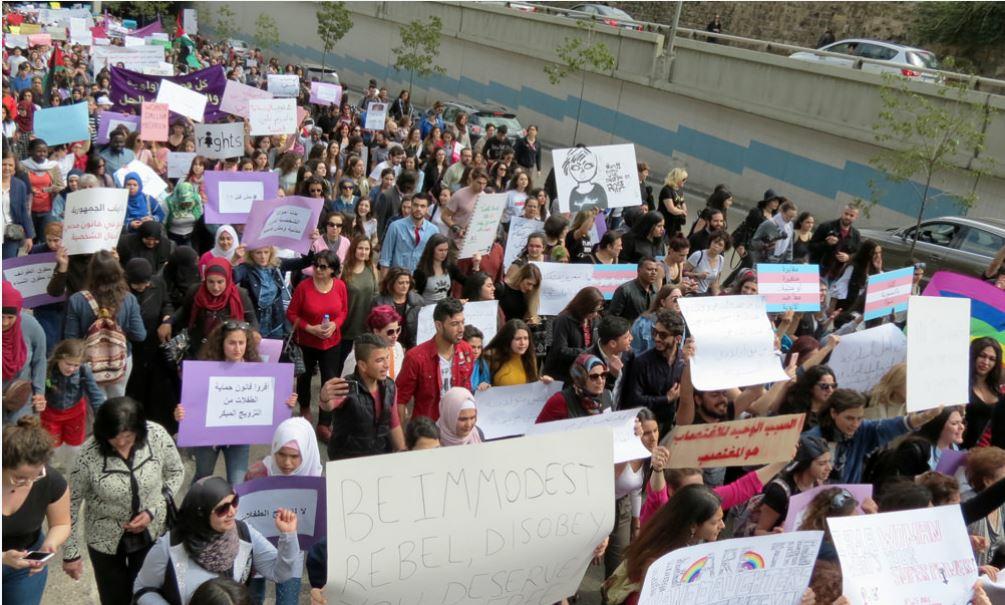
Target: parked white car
[{"x": 911, "y": 58}]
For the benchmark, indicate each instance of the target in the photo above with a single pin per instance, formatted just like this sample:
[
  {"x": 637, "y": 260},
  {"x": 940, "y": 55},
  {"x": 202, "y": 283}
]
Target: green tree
[
  {"x": 334, "y": 22},
  {"x": 144, "y": 12},
  {"x": 974, "y": 31},
  {"x": 925, "y": 136},
  {"x": 224, "y": 23},
  {"x": 579, "y": 56},
  {"x": 420, "y": 45},
  {"x": 266, "y": 32}
]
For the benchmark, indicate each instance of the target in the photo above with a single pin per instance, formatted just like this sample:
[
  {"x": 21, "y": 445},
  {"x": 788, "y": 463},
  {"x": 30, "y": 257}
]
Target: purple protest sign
[
  {"x": 324, "y": 93},
  {"x": 130, "y": 89},
  {"x": 261, "y": 498},
  {"x": 30, "y": 276},
  {"x": 236, "y": 96},
  {"x": 285, "y": 222},
  {"x": 110, "y": 120},
  {"x": 951, "y": 461},
  {"x": 146, "y": 30},
  {"x": 269, "y": 349},
  {"x": 799, "y": 502},
  {"x": 230, "y": 403},
  {"x": 230, "y": 194}
]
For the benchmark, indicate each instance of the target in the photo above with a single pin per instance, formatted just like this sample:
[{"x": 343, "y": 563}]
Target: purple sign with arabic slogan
[
  {"x": 230, "y": 195},
  {"x": 261, "y": 498},
  {"x": 110, "y": 120},
  {"x": 30, "y": 276},
  {"x": 130, "y": 89},
  {"x": 230, "y": 403},
  {"x": 286, "y": 222}
]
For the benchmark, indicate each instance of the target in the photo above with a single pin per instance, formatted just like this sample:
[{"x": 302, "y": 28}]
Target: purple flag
[
  {"x": 110, "y": 120},
  {"x": 285, "y": 222},
  {"x": 30, "y": 275},
  {"x": 146, "y": 30},
  {"x": 230, "y": 194},
  {"x": 233, "y": 403},
  {"x": 129, "y": 89},
  {"x": 261, "y": 498}
]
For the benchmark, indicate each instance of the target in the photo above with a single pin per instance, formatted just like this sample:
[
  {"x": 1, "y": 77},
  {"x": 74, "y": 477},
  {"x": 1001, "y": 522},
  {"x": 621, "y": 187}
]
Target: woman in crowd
[
  {"x": 345, "y": 198},
  {"x": 705, "y": 267},
  {"x": 645, "y": 238},
  {"x": 294, "y": 453},
  {"x": 19, "y": 230},
  {"x": 984, "y": 467},
  {"x": 361, "y": 281},
  {"x": 141, "y": 207},
  {"x": 533, "y": 252},
  {"x": 743, "y": 235},
  {"x": 478, "y": 287},
  {"x": 385, "y": 322},
  {"x": 184, "y": 209},
  {"x": 985, "y": 392},
  {"x": 510, "y": 356},
  {"x": 147, "y": 242},
  {"x": 209, "y": 542},
  {"x": 317, "y": 311},
  {"x": 121, "y": 475},
  {"x": 216, "y": 299},
  {"x": 803, "y": 227},
  {"x": 672, "y": 205},
  {"x": 226, "y": 246},
  {"x": 888, "y": 398},
  {"x": 578, "y": 240},
  {"x": 261, "y": 276},
  {"x": 572, "y": 331},
  {"x": 849, "y": 291},
  {"x": 519, "y": 295},
  {"x": 831, "y": 502},
  {"x": 365, "y": 223},
  {"x": 334, "y": 226},
  {"x": 33, "y": 493},
  {"x": 517, "y": 194},
  {"x": 23, "y": 358},
  {"x": 629, "y": 481},
  {"x": 396, "y": 291},
  {"x": 642, "y": 327},
  {"x": 181, "y": 273},
  {"x": 458, "y": 418},
  {"x": 811, "y": 468},
  {"x": 106, "y": 295},
  {"x": 435, "y": 270},
  {"x": 809, "y": 394},
  {"x": 945, "y": 432}
]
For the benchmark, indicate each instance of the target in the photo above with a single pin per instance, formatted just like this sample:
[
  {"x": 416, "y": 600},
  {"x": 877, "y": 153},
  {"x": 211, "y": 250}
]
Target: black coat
[
  {"x": 567, "y": 342},
  {"x": 822, "y": 253}
]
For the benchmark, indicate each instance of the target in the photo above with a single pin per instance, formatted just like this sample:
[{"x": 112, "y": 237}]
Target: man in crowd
[
  {"x": 834, "y": 242},
  {"x": 653, "y": 380},
  {"x": 634, "y": 298},
  {"x": 388, "y": 204},
  {"x": 406, "y": 239},
  {"x": 614, "y": 347}
]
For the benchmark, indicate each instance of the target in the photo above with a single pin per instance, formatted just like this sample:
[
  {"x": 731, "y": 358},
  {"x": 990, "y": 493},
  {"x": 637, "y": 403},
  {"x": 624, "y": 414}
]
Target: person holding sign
[
  {"x": 654, "y": 379},
  {"x": 184, "y": 209},
  {"x": 572, "y": 331},
  {"x": 457, "y": 213},
  {"x": 209, "y": 542},
  {"x": 226, "y": 245}
]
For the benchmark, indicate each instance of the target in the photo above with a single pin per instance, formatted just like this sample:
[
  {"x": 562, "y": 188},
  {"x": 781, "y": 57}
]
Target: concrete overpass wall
[{"x": 729, "y": 115}]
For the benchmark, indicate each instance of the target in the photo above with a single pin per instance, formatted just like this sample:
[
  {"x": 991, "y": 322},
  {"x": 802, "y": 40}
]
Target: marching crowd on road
[{"x": 92, "y": 388}]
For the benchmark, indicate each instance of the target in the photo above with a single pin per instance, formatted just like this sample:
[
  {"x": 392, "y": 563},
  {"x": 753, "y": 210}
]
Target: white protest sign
[
  {"x": 83, "y": 39},
  {"x": 907, "y": 557},
  {"x": 938, "y": 352},
  {"x": 153, "y": 184},
  {"x": 511, "y": 411},
  {"x": 272, "y": 116},
  {"x": 164, "y": 69},
  {"x": 30, "y": 275},
  {"x": 283, "y": 85},
  {"x": 605, "y": 176},
  {"x": 78, "y": 26},
  {"x": 93, "y": 219},
  {"x": 483, "y": 315},
  {"x": 559, "y": 283},
  {"x": 324, "y": 93},
  {"x": 190, "y": 21},
  {"x": 480, "y": 233},
  {"x": 258, "y": 509},
  {"x": 862, "y": 358},
  {"x": 627, "y": 445},
  {"x": 734, "y": 342},
  {"x": 438, "y": 525},
  {"x": 519, "y": 230},
  {"x": 290, "y": 222},
  {"x": 132, "y": 57},
  {"x": 237, "y": 196},
  {"x": 179, "y": 163},
  {"x": 236, "y": 401},
  {"x": 181, "y": 100},
  {"x": 773, "y": 569},
  {"x": 134, "y": 41},
  {"x": 236, "y": 96},
  {"x": 376, "y": 116},
  {"x": 220, "y": 141}
]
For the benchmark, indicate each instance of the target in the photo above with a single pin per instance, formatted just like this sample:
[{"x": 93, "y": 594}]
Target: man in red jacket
[{"x": 433, "y": 367}]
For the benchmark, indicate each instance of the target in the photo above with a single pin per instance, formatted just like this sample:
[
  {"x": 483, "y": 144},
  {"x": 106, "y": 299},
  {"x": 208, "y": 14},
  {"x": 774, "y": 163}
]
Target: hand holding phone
[{"x": 38, "y": 556}]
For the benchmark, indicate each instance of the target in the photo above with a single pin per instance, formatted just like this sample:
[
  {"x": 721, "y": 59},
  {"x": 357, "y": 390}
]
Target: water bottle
[{"x": 324, "y": 321}]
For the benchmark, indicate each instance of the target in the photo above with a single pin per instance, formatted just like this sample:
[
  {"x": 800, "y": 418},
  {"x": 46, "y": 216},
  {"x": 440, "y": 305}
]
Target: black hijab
[
  {"x": 194, "y": 529},
  {"x": 131, "y": 246},
  {"x": 180, "y": 273}
]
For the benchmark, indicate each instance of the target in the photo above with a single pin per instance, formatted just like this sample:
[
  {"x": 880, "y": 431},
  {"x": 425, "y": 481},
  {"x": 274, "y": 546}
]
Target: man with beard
[
  {"x": 826, "y": 240},
  {"x": 653, "y": 379}
]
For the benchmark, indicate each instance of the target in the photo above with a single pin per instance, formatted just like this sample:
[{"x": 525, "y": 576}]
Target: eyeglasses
[
  {"x": 232, "y": 324},
  {"x": 21, "y": 482},
  {"x": 392, "y": 331},
  {"x": 223, "y": 509},
  {"x": 841, "y": 499},
  {"x": 316, "y": 190},
  {"x": 597, "y": 377},
  {"x": 322, "y": 267},
  {"x": 661, "y": 334},
  {"x": 346, "y": 187},
  {"x": 827, "y": 386},
  {"x": 337, "y": 225}
]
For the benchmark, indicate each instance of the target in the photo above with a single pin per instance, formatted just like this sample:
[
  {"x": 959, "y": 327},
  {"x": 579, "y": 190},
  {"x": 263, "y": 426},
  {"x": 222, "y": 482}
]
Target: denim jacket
[
  {"x": 850, "y": 454},
  {"x": 63, "y": 392}
]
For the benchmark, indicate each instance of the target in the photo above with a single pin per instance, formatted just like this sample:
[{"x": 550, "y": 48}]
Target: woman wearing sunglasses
[
  {"x": 385, "y": 322},
  {"x": 209, "y": 542},
  {"x": 261, "y": 274}
]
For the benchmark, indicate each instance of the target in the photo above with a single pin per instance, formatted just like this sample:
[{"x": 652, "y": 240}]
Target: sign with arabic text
[{"x": 748, "y": 442}]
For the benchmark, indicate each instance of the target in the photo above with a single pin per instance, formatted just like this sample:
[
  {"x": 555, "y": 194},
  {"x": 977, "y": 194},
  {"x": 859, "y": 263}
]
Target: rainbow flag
[
  {"x": 987, "y": 306},
  {"x": 607, "y": 278}
]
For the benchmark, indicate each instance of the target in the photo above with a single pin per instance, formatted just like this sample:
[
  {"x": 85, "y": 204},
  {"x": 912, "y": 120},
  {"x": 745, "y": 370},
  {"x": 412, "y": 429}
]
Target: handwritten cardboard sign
[
  {"x": 93, "y": 219},
  {"x": 764, "y": 569},
  {"x": 750, "y": 442},
  {"x": 511, "y": 411},
  {"x": 481, "y": 229},
  {"x": 233, "y": 403},
  {"x": 324, "y": 93},
  {"x": 236, "y": 96},
  {"x": 154, "y": 122},
  {"x": 862, "y": 358},
  {"x": 888, "y": 292},
  {"x": 519, "y": 230},
  {"x": 220, "y": 141},
  {"x": 394, "y": 528},
  {"x": 285, "y": 222},
  {"x": 735, "y": 342},
  {"x": 559, "y": 283},
  {"x": 179, "y": 163},
  {"x": 938, "y": 352},
  {"x": 272, "y": 116},
  {"x": 789, "y": 287},
  {"x": 483, "y": 315},
  {"x": 921, "y": 555},
  {"x": 283, "y": 85},
  {"x": 376, "y": 116},
  {"x": 605, "y": 176},
  {"x": 183, "y": 101},
  {"x": 627, "y": 445},
  {"x": 799, "y": 502},
  {"x": 230, "y": 194},
  {"x": 30, "y": 276},
  {"x": 261, "y": 498}
]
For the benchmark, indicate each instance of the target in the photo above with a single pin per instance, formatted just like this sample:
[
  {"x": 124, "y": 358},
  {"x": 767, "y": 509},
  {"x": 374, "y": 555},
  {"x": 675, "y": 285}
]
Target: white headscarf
[
  {"x": 299, "y": 431},
  {"x": 219, "y": 252},
  {"x": 452, "y": 403}
]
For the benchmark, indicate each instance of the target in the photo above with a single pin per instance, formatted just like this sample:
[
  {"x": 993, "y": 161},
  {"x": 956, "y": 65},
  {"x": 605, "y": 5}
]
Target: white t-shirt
[
  {"x": 375, "y": 174},
  {"x": 446, "y": 374},
  {"x": 701, "y": 262}
]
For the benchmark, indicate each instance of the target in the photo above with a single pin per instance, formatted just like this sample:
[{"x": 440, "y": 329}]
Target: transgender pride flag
[
  {"x": 607, "y": 278},
  {"x": 789, "y": 287},
  {"x": 888, "y": 292}
]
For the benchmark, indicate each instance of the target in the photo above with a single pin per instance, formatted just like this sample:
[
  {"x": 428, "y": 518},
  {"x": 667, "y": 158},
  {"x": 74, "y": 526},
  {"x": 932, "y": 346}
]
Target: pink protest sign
[
  {"x": 789, "y": 287},
  {"x": 236, "y": 96},
  {"x": 323, "y": 93},
  {"x": 888, "y": 292},
  {"x": 285, "y": 222},
  {"x": 154, "y": 122}
]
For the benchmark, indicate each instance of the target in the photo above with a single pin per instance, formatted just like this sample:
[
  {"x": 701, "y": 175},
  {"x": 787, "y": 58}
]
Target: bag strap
[
  {"x": 93, "y": 303},
  {"x": 293, "y": 333}
]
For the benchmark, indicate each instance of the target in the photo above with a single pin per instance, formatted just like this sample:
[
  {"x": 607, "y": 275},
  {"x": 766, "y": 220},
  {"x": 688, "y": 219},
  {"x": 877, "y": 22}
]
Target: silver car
[
  {"x": 959, "y": 244},
  {"x": 909, "y": 57}
]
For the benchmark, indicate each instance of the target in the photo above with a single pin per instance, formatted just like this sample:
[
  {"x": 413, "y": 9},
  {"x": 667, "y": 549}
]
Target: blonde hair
[
  {"x": 274, "y": 259},
  {"x": 885, "y": 390},
  {"x": 675, "y": 177},
  {"x": 528, "y": 271}
]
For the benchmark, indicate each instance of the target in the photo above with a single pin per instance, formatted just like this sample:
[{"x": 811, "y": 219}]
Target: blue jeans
[
  {"x": 235, "y": 457},
  {"x": 23, "y": 588},
  {"x": 287, "y": 592}
]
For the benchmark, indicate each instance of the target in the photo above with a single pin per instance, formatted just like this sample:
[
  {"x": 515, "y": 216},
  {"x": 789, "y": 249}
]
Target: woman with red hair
[{"x": 385, "y": 322}]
